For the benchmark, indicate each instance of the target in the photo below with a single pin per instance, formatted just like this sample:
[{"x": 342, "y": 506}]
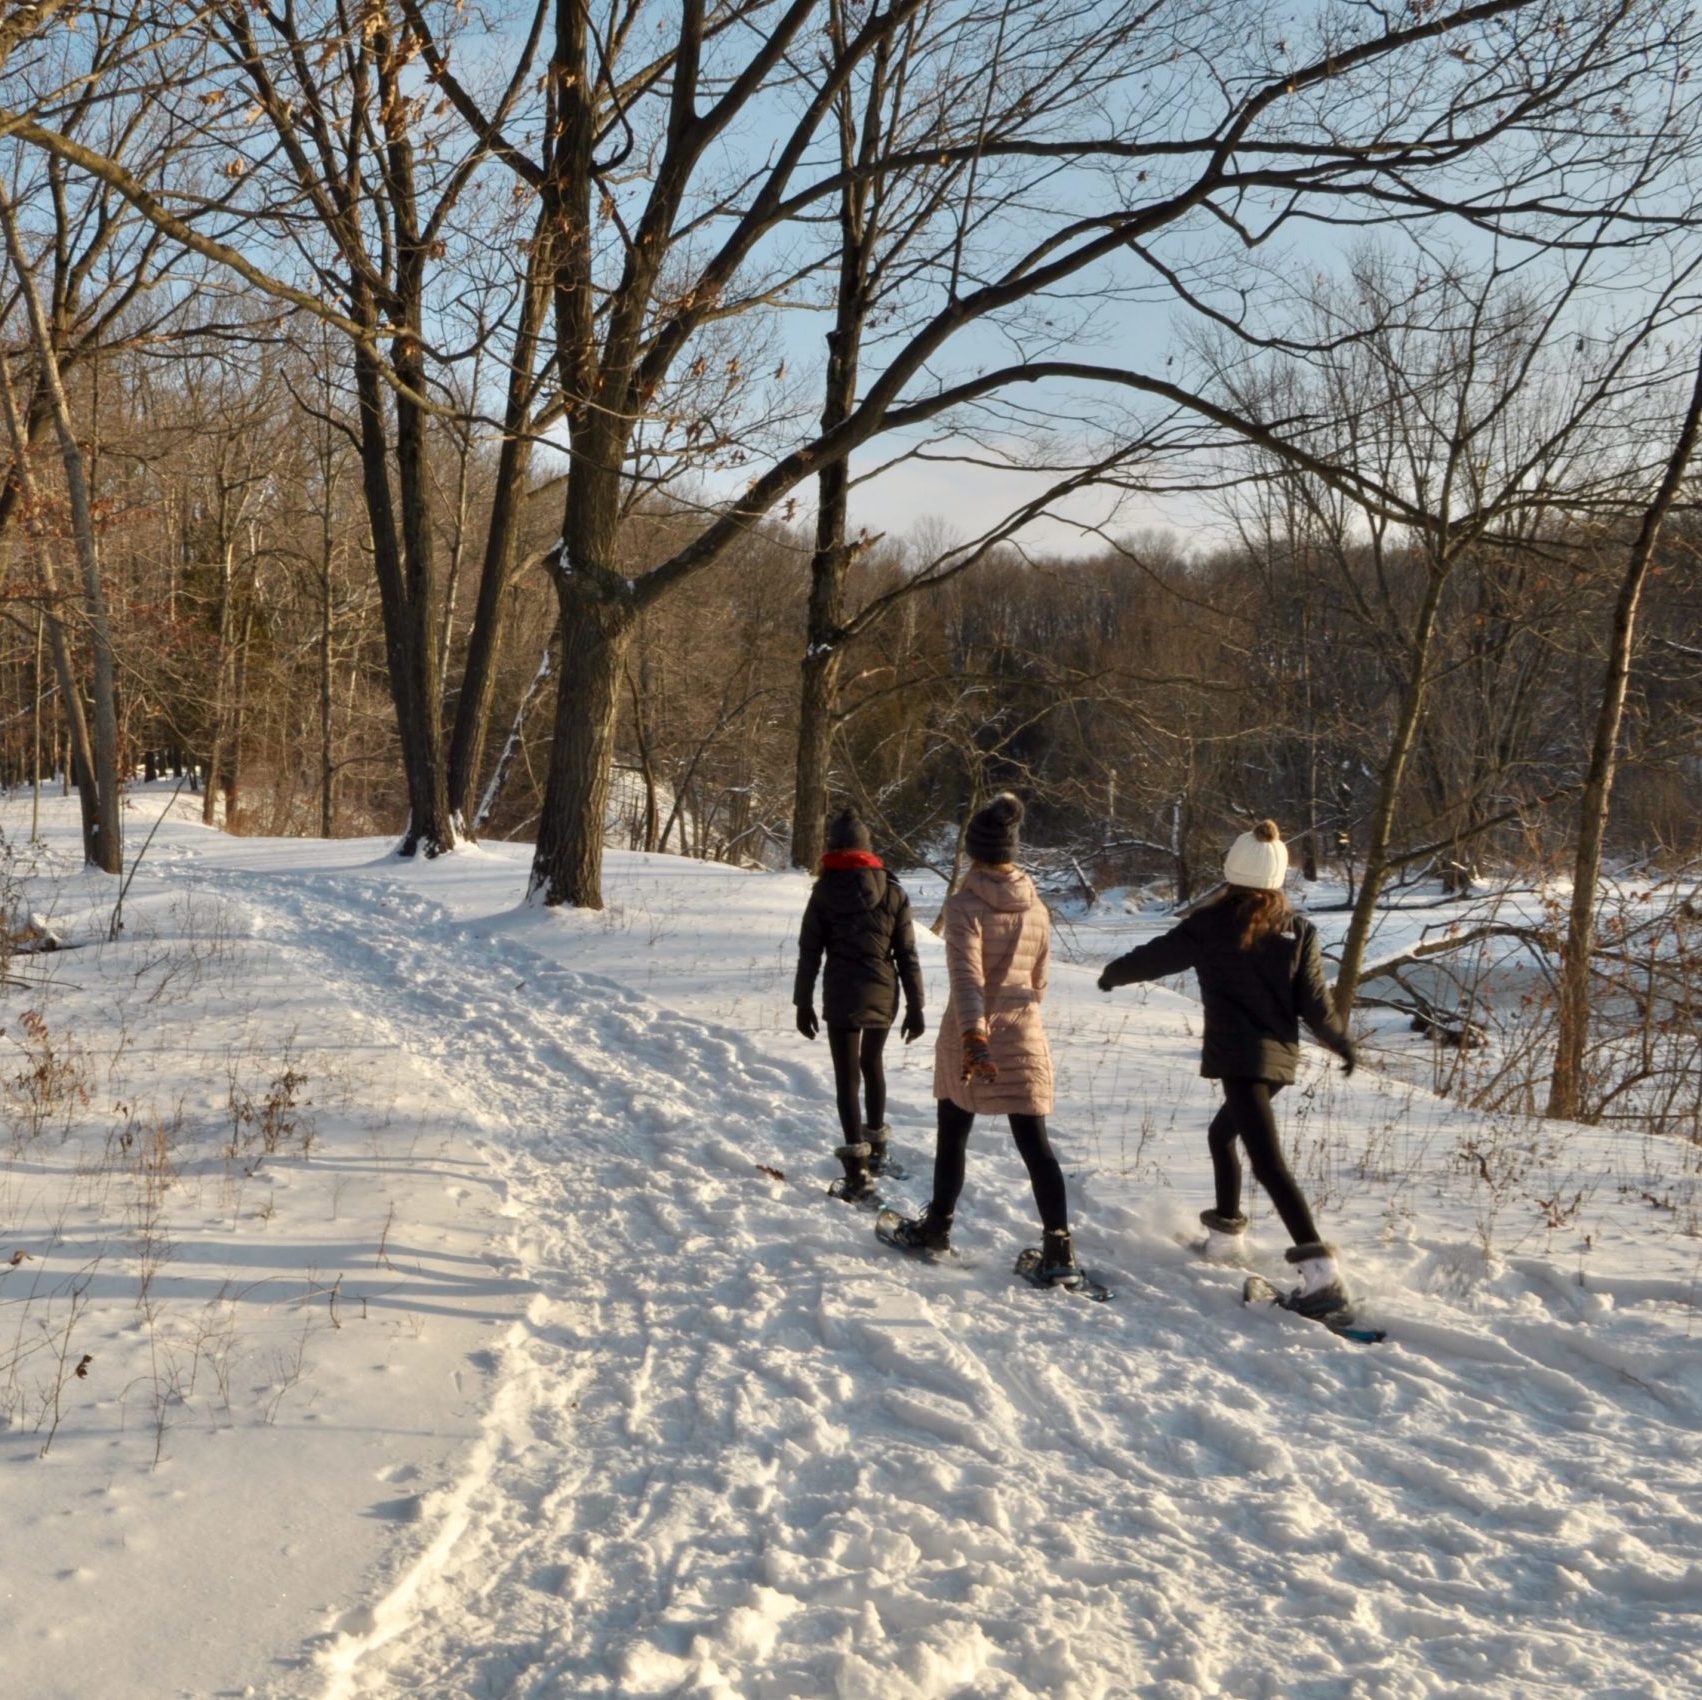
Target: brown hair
[{"x": 1261, "y": 913}]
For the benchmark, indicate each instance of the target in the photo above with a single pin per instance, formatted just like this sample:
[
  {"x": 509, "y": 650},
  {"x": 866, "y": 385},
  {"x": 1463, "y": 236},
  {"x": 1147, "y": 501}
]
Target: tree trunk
[
  {"x": 1565, "y": 1097},
  {"x": 1376, "y": 870},
  {"x": 817, "y": 703},
  {"x": 514, "y": 459},
  {"x": 222, "y": 670},
  {"x": 596, "y": 633},
  {"x": 79, "y": 755},
  {"x": 327, "y": 768},
  {"x": 402, "y": 585},
  {"x": 646, "y": 766},
  {"x": 825, "y": 634},
  {"x": 107, "y": 850},
  {"x": 499, "y": 774}
]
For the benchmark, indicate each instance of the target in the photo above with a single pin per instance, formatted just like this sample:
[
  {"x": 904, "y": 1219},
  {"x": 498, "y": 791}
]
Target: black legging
[
  {"x": 1246, "y": 1114},
  {"x": 1032, "y": 1145},
  {"x": 857, "y": 1051}
]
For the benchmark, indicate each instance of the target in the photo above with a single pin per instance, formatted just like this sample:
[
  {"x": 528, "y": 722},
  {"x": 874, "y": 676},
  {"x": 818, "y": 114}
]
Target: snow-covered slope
[{"x": 528, "y": 1377}]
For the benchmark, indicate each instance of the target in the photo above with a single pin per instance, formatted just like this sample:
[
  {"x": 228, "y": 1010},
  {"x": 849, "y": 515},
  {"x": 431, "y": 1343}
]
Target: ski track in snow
[{"x": 740, "y": 1450}]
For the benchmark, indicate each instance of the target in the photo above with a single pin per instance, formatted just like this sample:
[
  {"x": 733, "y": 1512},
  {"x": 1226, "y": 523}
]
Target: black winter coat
[
  {"x": 1254, "y": 999},
  {"x": 859, "y": 919}
]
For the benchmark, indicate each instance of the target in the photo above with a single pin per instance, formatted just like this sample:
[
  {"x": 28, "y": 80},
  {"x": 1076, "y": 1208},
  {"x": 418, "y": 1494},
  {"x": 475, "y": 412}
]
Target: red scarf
[{"x": 835, "y": 860}]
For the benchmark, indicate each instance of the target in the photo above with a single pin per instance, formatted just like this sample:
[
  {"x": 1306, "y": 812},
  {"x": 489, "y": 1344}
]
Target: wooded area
[{"x": 441, "y": 422}]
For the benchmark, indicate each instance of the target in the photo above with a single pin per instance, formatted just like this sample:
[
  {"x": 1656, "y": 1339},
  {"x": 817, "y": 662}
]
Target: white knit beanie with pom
[{"x": 1258, "y": 859}]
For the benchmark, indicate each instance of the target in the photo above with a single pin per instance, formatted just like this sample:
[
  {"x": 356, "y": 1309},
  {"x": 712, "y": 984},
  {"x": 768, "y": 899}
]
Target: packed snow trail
[{"x": 738, "y": 1449}]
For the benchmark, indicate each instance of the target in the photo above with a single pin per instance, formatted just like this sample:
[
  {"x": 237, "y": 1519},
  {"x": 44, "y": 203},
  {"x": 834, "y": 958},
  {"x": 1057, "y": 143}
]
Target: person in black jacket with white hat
[
  {"x": 857, "y": 922},
  {"x": 1261, "y": 974}
]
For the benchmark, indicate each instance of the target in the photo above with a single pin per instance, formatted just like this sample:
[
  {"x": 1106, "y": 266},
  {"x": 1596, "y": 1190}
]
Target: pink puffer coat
[{"x": 998, "y": 948}]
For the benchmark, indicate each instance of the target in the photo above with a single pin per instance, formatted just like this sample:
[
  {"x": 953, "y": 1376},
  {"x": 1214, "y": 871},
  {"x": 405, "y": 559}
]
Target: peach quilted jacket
[{"x": 998, "y": 947}]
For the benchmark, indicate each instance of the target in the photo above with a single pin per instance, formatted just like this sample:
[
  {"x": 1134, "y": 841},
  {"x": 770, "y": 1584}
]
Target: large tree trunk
[
  {"x": 595, "y": 637},
  {"x": 1565, "y": 1097}
]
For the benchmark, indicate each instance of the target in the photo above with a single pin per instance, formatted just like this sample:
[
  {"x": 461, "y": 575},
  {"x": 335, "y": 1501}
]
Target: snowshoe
[
  {"x": 1335, "y": 1312},
  {"x": 1053, "y": 1264},
  {"x": 926, "y": 1235}
]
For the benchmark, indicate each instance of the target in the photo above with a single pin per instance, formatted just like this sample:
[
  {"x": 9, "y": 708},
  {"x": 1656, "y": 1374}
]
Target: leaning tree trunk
[
  {"x": 1395, "y": 764},
  {"x": 1565, "y": 1097}
]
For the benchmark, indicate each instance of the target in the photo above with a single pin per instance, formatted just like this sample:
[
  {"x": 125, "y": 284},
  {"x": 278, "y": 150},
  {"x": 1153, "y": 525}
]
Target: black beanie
[
  {"x": 845, "y": 831},
  {"x": 992, "y": 832}
]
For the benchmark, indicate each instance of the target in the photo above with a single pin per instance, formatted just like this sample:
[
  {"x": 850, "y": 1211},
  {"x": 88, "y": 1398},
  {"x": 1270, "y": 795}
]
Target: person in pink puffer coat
[{"x": 991, "y": 1056}]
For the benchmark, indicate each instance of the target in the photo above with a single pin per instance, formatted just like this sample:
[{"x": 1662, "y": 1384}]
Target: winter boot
[
  {"x": 1058, "y": 1256},
  {"x": 856, "y": 1184},
  {"x": 1225, "y": 1240},
  {"x": 1321, "y": 1292},
  {"x": 929, "y": 1233},
  {"x": 877, "y": 1139}
]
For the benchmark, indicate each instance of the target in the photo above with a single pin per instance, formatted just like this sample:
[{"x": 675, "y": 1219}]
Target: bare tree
[{"x": 1565, "y": 1096}]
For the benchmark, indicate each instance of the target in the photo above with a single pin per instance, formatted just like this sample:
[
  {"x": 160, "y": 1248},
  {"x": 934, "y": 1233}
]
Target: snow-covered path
[
  {"x": 664, "y": 1420},
  {"x": 740, "y": 1450}
]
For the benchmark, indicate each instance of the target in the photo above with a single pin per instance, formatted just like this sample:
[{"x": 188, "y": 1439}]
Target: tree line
[{"x": 422, "y": 415}]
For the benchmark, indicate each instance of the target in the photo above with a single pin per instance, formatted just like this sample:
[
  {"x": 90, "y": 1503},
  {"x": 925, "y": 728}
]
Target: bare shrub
[{"x": 51, "y": 1086}]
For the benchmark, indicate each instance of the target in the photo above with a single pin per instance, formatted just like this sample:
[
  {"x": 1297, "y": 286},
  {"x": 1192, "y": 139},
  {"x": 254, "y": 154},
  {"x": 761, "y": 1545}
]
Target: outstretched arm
[{"x": 1170, "y": 953}]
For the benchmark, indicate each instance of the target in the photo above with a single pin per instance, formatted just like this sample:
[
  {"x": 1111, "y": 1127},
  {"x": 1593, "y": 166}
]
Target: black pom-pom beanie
[
  {"x": 846, "y": 831},
  {"x": 993, "y": 831}
]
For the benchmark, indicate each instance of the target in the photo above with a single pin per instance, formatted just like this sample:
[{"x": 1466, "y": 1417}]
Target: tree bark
[{"x": 596, "y": 634}]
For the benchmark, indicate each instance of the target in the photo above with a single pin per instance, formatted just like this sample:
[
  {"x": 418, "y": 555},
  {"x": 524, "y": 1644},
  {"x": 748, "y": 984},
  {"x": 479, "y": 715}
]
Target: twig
[{"x": 118, "y": 908}]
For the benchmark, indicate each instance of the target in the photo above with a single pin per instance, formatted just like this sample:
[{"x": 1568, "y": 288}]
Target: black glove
[
  {"x": 807, "y": 1023},
  {"x": 914, "y": 1026},
  {"x": 1350, "y": 1059},
  {"x": 1105, "y": 980}
]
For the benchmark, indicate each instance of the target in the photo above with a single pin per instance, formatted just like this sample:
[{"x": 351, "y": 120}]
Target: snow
[{"x": 510, "y": 1371}]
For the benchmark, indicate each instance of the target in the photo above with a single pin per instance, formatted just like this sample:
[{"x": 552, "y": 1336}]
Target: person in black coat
[
  {"x": 857, "y": 923},
  {"x": 1261, "y": 974}
]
